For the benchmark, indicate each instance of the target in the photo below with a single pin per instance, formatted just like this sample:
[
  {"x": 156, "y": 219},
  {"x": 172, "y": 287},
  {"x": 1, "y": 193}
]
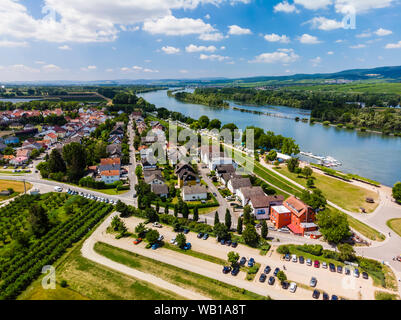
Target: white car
[
  {"x": 157, "y": 225},
  {"x": 308, "y": 262},
  {"x": 172, "y": 241},
  {"x": 324, "y": 265},
  {"x": 293, "y": 287},
  {"x": 294, "y": 258},
  {"x": 58, "y": 189}
]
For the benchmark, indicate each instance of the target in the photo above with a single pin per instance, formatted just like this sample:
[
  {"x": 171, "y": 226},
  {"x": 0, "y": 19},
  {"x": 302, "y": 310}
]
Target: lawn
[
  {"x": 207, "y": 210},
  {"x": 395, "y": 225},
  {"x": 208, "y": 287},
  {"x": 343, "y": 194},
  {"x": 364, "y": 229},
  {"x": 17, "y": 186},
  {"x": 89, "y": 280},
  {"x": 381, "y": 295}
]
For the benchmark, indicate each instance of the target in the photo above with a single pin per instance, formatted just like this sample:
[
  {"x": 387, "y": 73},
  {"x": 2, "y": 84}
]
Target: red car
[
  {"x": 139, "y": 240},
  {"x": 316, "y": 264}
]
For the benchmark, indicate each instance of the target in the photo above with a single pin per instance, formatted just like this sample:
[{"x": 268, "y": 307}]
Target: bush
[
  {"x": 314, "y": 249},
  {"x": 283, "y": 249},
  {"x": 253, "y": 270},
  {"x": 63, "y": 283}
]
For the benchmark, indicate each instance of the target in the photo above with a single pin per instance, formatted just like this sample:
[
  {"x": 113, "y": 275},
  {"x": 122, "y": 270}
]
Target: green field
[
  {"x": 395, "y": 225},
  {"x": 183, "y": 278},
  {"x": 343, "y": 194},
  {"x": 364, "y": 229}
]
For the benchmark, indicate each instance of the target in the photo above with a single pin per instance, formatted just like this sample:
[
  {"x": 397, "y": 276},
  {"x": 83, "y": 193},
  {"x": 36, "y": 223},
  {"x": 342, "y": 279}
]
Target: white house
[
  {"x": 193, "y": 193},
  {"x": 235, "y": 183},
  {"x": 246, "y": 193},
  {"x": 110, "y": 176}
]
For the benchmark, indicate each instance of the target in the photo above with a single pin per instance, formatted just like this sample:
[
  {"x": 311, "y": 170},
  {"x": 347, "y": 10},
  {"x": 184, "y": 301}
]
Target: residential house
[
  {"x": 186, "y": 175},
  {"x": 280, "y": 216},
  {"x": 52, "y": 137},
  {"x": 17, "y": 161},
  {"x": 110, "y": 176},
  {"x": 235, "y": 183},
  {"x": 246, "y": 193},
  {"x": 24, "y": 153},
  {"x": 11, "y": 140},
  {"x": 262, "y": 204},
  {"x": 146, "y": 165},
  {"x": 194, "y": 193},
  {"x": 153, "y": 179},
  {"x": 114, "y": 150}
]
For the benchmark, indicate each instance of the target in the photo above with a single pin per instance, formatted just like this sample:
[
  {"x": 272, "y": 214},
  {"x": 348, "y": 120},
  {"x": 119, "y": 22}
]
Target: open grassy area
[
  {"x": 364, "y": 229},
  {"x": 89, "y": 280},
  {"x": 207, "y": 210},
  {"x": 183, "y": 278},
  {"x": 343, "y": 194},
  {"x": 381, "y": 295},
  {"x": 395, "y": 225},
  {"x": 17, "y": 186}
]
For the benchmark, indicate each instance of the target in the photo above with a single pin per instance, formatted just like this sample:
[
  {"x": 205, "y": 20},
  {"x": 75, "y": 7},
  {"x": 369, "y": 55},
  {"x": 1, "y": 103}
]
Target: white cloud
[
  {"x": 40, "y": 62},
  {"x": 285, "y": 7},
  {"x": 213, "y": 57},
  {"x": 150, "y": 70},
  {"x": 383, "y": 32},
  {"x": 361, "y": 6},
  {"x": 330, "y": 53},
  {"x": 325, "y": 24},
  {"x": 277, "y": 38},
  {"x": 193, "y": 48},
  {"x": 308, "y": 39},
  {"x": 316, "y": 61},
  {"x": 170, "y": 50},
  {"x": 358, "y": 46},
  {"x": 283, "y": 56},
  {"x": 314, "y": 4},
  {"x": 12, "y": 44},
  {"x": 217, "y": 36},
  {"x": 237, "y": 30},
  {"x": 183, "y": 71},
  {"x": 65, "y": 47},
  {"x": 51, "y": 68},
  {"x": 109, "y": 70},
  {"x": 173, "y": 26},
  {"x": 394, "y": 45},
  {"x": 207, "y": 17},
  {"x": 364, "y": 35},
  {"x": 21, "y": 68},
  {"x": 89, "y": 68}
]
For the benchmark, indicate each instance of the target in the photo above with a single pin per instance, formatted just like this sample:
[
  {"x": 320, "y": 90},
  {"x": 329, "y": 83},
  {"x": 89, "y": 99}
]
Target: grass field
[
  {"x": 365, "y": 230},
  {"x": 395, "y": 225},
  {"x": 207, "y": 210},
  {"x": 89, "y": 280},
  {"x": 377, "y": 88},
  {"x": 381, "y": 295},
  {"x": 183, "y": 278},
  {"x": 17, "y": 186},
  {"x": 343, "y": 194}
]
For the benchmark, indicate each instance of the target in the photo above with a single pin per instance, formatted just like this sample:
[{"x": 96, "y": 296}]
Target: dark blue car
[{"x": 235, "y": 271}]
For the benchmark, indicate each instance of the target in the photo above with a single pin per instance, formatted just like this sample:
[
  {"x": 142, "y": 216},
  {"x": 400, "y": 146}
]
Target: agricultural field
[
  {"x": 36, "y": 230},
  {"x": 17, "y": 187}
]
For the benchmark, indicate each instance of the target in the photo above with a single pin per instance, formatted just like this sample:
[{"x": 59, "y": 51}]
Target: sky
[{"x": 183, "y": 39}]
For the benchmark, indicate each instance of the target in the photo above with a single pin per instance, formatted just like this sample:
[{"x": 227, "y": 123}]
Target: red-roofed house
[
  {"x": 52, "y": 137},
  {"x": 110, "y": 176},
  {"x": 302, "y": 216}
]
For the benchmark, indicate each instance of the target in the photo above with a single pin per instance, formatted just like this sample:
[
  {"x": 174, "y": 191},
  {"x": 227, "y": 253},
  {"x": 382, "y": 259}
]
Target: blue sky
[{"x": 156, "y": 39}]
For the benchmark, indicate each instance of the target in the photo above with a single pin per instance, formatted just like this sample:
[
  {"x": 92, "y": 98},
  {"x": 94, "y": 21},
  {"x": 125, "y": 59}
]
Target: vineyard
[{"x": 71, "y": 218}]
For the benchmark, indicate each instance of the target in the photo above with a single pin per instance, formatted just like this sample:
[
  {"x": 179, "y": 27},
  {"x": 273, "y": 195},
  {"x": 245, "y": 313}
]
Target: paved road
[{"x": 88, "y": 252}]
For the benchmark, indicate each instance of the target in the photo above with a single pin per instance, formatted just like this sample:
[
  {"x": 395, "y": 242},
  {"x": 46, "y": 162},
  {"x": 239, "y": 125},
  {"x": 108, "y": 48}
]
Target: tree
[
  {"x": 181, "y": 240},
  {"x": 74, "y": 155},
  {"x": 397, "y": 192},
  {"x": 56, "y": 162},
  {"x": 239, "y": 225},
  {"x": 264, "y": 230},
  {"x": 138, "y": 171},
  {"x": 140, "y": 229},
  {"x": 214, "y": 124},
  {"x": 185, "y": 211},
  {"x": 247, "y": 214},
  {"x": 38, "y": 220},
  {"x": 293, "y": 164},
  {"x": 233, "y": 258},
  {"x": 228, "y": 219},
  {"x": 307, "y": 172},
  {"x": 272, "y": 155},
  {"x": 310, "y": 183},
  {"x": 221, "y": 231},
  {"x": 216, "y": 218},
  {"x": 196, "y": 214},
  {"x": 157, "y": 207},
  {"x": 333, "y": 225},
  {"x": 315, "y": 199},
  {"x": 203, "y": 122},
  {"x": 152, "y": 236},
  {"x": 347, "y": 252},
  {"x": 281, "y": 276},
  {"x": 118, "y": 226},
  {"x": 250, "y": 236},
  {"x": 100, "y": 150},
  {"x": 151, "y": 215},
  {"x": 175, "y": 210},
  {"x": 166, "y": 209}
]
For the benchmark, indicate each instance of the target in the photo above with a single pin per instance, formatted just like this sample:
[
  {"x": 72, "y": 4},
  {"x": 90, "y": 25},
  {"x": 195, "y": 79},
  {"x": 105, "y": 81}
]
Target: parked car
[
  {"x": 365, "y": 275},
  {"x": 347, "y": 271},
  {"x": 301, "y": 259},
  {"x": 332, "y": 267},
  {"x": 276, "y": 271},
  {"x": 251, "y": 262},
  {"x": 294, "y": 258},
  {"x": 234, "y": 244},
  {"x": 287, "y": 257},
  {"x": 200, "y": 235},
  {"x": 267, "y": 269},
  {"x": 160, "y": 238},
  {"x": 284, "y": 230},
  {"x": 222, "y": 242},
  {"x": 334, "y": 297},
  {"x": 228, "y": 242},
  {"x": 58, "y": 189},
  {"x": 293, "y": 287},
  {"x": 324, "y": 265},
  {"x": 356, "y": 273},
  {"x": 316, "y": 294},
  {"x": 172, "y": 241},
  {"x": 186, "y": 231},
  {"x": 205, "y": 236},
  {"x": 242, "y": 261},
  {"x": 339, "y": 269},
  {"x": 226, "y": 269},
  {"x": 316, "y": 264},
  {"x": 285, "y": 285},
  {"x": 137, "y": 241},
  {"x": 325, "y": 296},
  {"x": 187, "y": 246},
  {"x": 155, "y": 246},
  {"x": 235, "y": 271},
  {"x": 308, "y": 262},
  {"x": 271, "y": 280},
  {"x": 262, "y": 277},
  {"x": 313, "y": 282}
]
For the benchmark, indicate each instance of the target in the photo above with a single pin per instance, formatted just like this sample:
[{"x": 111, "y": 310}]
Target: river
[{"x": 370, "y": 155}]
